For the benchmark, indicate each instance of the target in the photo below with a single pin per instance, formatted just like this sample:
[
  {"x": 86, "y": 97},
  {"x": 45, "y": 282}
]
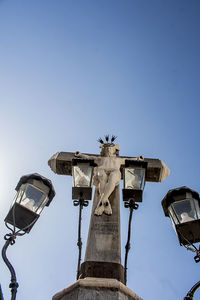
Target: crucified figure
[{"x": 107, "y": 174}]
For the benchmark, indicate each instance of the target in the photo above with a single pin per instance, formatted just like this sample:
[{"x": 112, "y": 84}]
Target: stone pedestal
[{"x": 96, "y": 289}]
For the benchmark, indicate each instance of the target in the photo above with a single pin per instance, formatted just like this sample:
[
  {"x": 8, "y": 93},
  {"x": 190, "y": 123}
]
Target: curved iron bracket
[
  {"x": 10, "y": 240},
  {"x": 192, "y": 291}
]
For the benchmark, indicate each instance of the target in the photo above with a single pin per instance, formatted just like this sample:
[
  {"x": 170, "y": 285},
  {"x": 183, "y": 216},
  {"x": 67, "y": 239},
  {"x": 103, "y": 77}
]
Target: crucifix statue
[
  {"x": 107, "y": 174},
  {"x": 103, "y": 250}
]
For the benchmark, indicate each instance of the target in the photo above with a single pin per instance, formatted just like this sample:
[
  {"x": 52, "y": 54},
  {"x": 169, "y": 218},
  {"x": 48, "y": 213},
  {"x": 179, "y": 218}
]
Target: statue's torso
[{"x": 109, "y": 164}]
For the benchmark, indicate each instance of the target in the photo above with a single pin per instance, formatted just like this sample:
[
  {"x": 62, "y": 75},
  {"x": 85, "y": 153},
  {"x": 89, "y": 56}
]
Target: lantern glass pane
[
  {"x": 134, "y": 178},
  {"x": 196, "y": 205},
  {"x": 173, "y": 217},
  {"x": 184, "y": 211},
  {"x": 32, "y": 198},
  {"x": 82, "y": 175}
]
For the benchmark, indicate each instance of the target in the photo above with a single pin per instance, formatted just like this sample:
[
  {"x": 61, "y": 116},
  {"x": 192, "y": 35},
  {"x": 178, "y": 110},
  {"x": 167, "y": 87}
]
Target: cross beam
[{"x": 61, "y": 163}]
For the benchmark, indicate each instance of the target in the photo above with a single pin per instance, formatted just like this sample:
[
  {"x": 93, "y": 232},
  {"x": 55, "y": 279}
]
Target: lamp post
[
  {"x": 82, "y": 173},
  {"x": 34, "y": 192},
  {"x": 134, "y": 182},
  {"x": 182, "y": 205}
]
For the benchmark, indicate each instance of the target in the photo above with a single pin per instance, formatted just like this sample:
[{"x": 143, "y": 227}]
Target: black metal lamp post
[
  {"x": 182, "y": 205},
  {"x": 134, "y": 181},
  {"x": 82, "y": 172},
  {"x": 34, "y": 192}
]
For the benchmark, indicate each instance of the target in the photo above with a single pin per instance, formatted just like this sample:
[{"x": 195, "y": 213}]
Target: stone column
[{"x": 103, "y": 250}]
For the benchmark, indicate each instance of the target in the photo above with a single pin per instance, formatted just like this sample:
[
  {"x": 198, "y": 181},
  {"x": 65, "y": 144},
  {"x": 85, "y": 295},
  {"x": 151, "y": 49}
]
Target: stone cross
[{"x": 103, "y": 250}]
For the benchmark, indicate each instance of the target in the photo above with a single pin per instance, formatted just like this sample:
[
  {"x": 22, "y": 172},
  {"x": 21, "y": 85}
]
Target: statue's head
[{"x": 109, "y": 148}]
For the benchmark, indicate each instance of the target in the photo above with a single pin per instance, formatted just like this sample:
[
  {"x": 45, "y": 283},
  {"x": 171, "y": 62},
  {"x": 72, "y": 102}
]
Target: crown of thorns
[{"x": 107, "y": 137}]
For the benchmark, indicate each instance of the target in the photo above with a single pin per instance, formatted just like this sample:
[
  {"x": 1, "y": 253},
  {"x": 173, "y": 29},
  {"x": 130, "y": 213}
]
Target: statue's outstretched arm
[{"x": 81, "y": 155}]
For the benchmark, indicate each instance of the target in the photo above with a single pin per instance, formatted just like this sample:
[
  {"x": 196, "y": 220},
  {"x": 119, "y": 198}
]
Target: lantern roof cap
[
  {"x": 136, "y": 163},
  {"x": 28, "y": 179},
  {"x": 179, "y": 190},
  {"x": 169, "y": 198},
  {"x": 77, "y": 160}
]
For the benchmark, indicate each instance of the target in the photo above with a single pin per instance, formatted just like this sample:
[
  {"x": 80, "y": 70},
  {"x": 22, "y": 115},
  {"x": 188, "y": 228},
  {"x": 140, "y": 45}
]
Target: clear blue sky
[{"x": 71, "y": 71}]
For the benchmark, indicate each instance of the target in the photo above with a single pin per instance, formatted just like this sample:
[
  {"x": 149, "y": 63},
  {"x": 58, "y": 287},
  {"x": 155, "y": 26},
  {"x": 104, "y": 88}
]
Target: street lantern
[
  {"x": 134, "y": 173},
  {"x": 82, "y": 172},
  {"x": 182, "y": 205},
  {"x": 134, "y": 180},
  {"x": 34, "y": 192}
]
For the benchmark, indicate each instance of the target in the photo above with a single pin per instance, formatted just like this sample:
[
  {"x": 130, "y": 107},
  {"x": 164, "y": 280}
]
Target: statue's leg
[
  {"x": 102, "y": 182},
  {"x": 113, "y": 181},
  {"x": 102, "y": 177},
  {"x": 107, "y": 208}
]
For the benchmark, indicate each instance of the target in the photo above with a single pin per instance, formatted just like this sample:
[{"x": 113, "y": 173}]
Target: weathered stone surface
[
  {"x": 104, "y": 242},
  {"x": 103, "y": 250},
  {"x": 97, "y": 289},
  {"x": 61, "y": 163}
]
